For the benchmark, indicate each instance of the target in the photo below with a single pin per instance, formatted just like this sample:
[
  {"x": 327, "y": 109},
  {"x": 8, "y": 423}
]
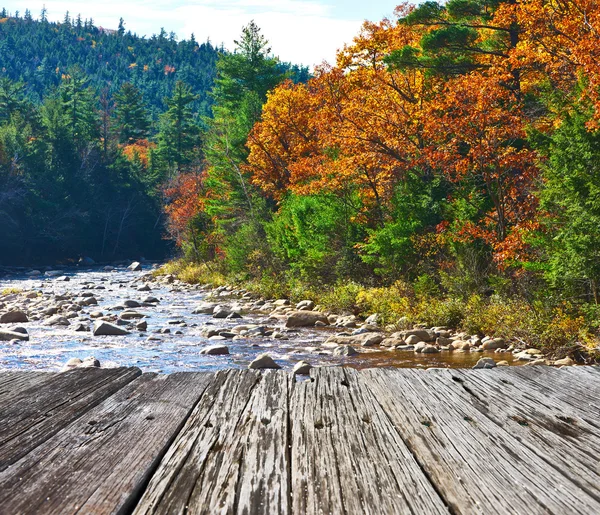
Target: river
[{"x": 173, "y": 339}]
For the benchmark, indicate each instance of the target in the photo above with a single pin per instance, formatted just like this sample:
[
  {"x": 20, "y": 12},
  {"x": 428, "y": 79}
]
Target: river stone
[
  {"x": 6, "y": 335},
  {"x": 102, "y": 328},
  {"x": 373, "y": 319},
  {"x": 412, "y": 339},
  {"x": 364, "y": 340},
  {"x": 430, "y": 349},
  {"x": 58, "y": 320},
  {"x": 90, "y": 362},
  {"x": 564, "y": 362},
  {"x": 142, "y": 326},
  {"x": 302, "y": 368},
  {"x": 345, "y": 350},
  {"x": 221, "y": 311},
  {"x": 215, "y": 350},
  {"x": 262, "y": 362},
  {"x": 131, "y": 303},
  {"x": 304, "y": 318},
  {"x": 81, "y": 328},
  {"x": 420, "y": 346},
  {"x": 493, "y": 344},
  {"x": 144, "y": 287},
  {"x": 72, "y": 363},
  {"x": 485, "y": 363},
  {"x": 131, "y": 315},
  {"x": 305, "y": 305},
  {"x": 14, "y": 317},
  {"x": 135, "y": 266},
  {"x": 392, "y": 342},
  {"x": 151, "y": 300},
  {"x": 422, "y": 334}
]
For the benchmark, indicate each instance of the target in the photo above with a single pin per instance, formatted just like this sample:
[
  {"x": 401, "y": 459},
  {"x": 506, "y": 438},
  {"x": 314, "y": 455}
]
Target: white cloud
[{"x": 303, "y": 32}]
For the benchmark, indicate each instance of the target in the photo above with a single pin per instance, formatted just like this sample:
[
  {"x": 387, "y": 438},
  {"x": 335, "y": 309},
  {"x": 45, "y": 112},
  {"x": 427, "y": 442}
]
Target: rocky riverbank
[{"x": 129, "y": 315}]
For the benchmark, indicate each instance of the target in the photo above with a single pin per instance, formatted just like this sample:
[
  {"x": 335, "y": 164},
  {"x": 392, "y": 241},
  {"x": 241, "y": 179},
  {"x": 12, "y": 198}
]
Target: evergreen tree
[
  {"x": 131, "y": 114},
  {"x": 178, "y": 138}
]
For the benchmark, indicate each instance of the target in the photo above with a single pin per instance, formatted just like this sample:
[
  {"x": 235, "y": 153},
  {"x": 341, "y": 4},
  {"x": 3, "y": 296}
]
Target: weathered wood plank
[
  {"x": 101, "y": 462},
  {"x": 346, "y": 455},
  {"x": 14, "y": 383},
  {"x": 548, "y": 427},
  {"x": 231, "y": 456},
  {"x": 476, "y": 465},
  {"x": 41, "y": 411},
  {"x": 561, "y": 384}
]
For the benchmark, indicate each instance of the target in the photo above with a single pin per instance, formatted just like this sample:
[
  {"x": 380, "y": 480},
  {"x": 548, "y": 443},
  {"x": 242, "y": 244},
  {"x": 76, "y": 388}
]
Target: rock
[
  {"x": 305, "y": 305},
  {"x": 304, "y": 318},
  {"x": 144, "y": 287},
  {"x": 420, "y": 346},
  {"x": 131, "y": 304},
  {"x": 233, "y": 315},
  {"x": 205, "y": 308},
  {"x": 422, "y": 334},
  {"x": 90, "y": 362},
  {"x": 345, "y": 350},
  {"x": 373, "y": 319},
  {"x": 413, "y": 339},
  {"x": 364, "y": 340},
  {"x": 81, "y": 328},
  {"x": 485, "y": 363},
  {"x": 263, "y": 361},
  {"x": 58, "y": 320},
  {"x": 102, "y": 328},
  {"x": 215, "y": 350},
  {"x": 442, "y": 340},
  {"x": 503, "y": 363},
  {"x": 218, "y": 337},
  {"x": 405, "y": 347},
  {"x": 21, "y": 330},
  {"x": 392, "y": 341},
  {"x": 222, "y": 311},
  {"x": 430, "y": 349},
  {"x": 135, "y": 266},
  {"x": 142, "y": 326},
  {"x": 14, "y": 317},
  {"x": 564, "y": 362},
  {"x": 493, "y": 344},
  {"x": 72, "y": 363},
  {"x": 282, "y": 302},
  {"x": 6, "y": 335},
  {"x": 131, "y": 315},
  {"x": 302, "y": 368}
]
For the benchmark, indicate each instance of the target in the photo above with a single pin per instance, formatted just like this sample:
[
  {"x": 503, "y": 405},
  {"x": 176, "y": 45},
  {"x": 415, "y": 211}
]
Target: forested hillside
[
  {"x": 38, "y": 53},
  {"x": 444, "y": 170},
  {"x": 93, "y": 125}
]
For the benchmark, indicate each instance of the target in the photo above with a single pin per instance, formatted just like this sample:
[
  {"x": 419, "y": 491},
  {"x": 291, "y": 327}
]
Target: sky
[{"x": 300, "y": 31}]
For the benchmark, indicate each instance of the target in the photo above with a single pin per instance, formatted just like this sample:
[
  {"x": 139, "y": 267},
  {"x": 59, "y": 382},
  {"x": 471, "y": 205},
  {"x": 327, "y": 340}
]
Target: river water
[{"x": 50, "y": 347}]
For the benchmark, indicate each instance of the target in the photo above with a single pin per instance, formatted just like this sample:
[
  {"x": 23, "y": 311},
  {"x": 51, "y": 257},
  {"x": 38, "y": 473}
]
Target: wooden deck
[{"x": 509, "y": 440}]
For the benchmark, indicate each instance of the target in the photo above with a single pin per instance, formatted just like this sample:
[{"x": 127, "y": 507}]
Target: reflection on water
[{"x": 50, "y": 348}]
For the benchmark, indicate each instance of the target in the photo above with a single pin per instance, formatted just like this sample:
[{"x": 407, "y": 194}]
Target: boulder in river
[
  {"x": 263, "y": 361},
  {"x": 102, "y": 328},
  {"x": 136, "y": 266},
  {"x": 364, "y": 340},
  {"x": 345, "y": 350},
  {"x": 13, "y": 317},
  {"x": 58, "y": 320},
  {"x": 494, "y": 343},
  {"x": 302, "y": 368},
  {"x": 6, "y": 335},
  {"x": 305, "y": 305},
  {"x": 304, "y": 318},
  {"x": 485, "y": 363},
  {"x": 215, "y": 350}
]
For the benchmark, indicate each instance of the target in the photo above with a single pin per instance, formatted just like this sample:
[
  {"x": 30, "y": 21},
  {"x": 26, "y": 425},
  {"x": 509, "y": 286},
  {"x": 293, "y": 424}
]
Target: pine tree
[{"x": 131, "y": 114}]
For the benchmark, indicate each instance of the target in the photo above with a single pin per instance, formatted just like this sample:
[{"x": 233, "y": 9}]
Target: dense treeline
[
  {"x": 451, "y": 154},
  {"x": 38, "y": 53},
  {"x": 93, "y": 124}
]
